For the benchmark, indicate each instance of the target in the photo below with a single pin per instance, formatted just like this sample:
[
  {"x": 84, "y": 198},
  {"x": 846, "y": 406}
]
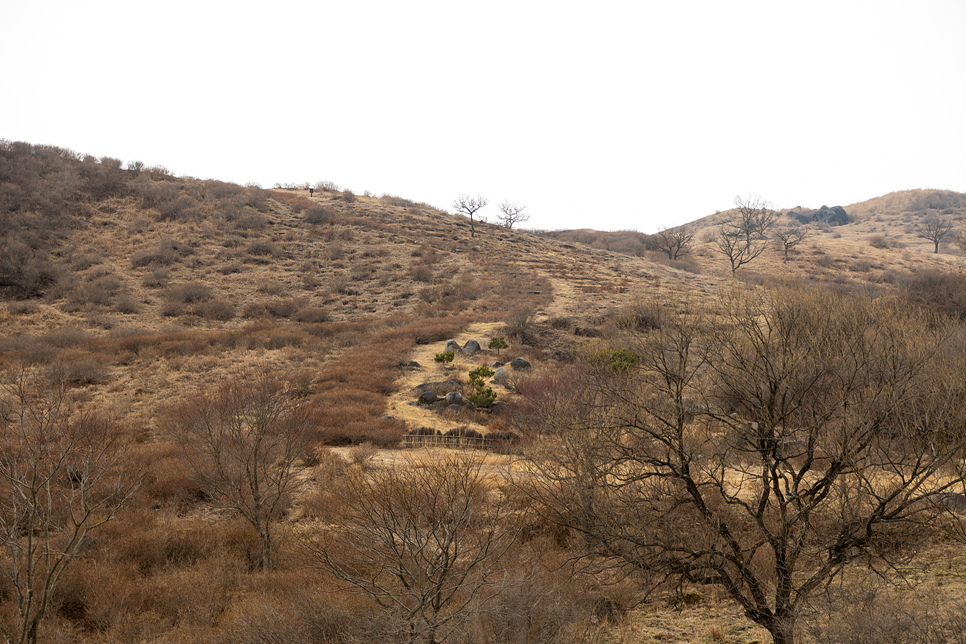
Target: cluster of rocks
[
  {"x": 448, "y": 394},
  {"x": 834, "y": 216},
  {"x": 501, "y": 376},
  {"x": 471, "y": 348}
]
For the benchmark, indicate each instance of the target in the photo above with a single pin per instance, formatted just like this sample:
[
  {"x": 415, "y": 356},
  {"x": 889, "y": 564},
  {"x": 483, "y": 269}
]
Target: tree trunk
[
  {"x": 782, "y": 630},
  {"x": 265, "y": 537}
]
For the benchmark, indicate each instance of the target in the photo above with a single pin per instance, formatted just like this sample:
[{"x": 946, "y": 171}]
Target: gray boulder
[
  {"x": 501, "y": 376},
  {"x": 452, "y": 345},
  {"x": 953, "y": 501},
  {"x": 519, "y": 363},
  {"x": 454, "y": 398},
  {"x": 440, "y": 387},
  {"x": 472, "y": 347},
  {"x": 427, "y": 397}
]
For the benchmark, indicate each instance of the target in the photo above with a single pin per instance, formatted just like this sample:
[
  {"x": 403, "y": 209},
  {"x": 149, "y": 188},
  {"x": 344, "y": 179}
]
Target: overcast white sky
[{"x": 606, "y": 115}]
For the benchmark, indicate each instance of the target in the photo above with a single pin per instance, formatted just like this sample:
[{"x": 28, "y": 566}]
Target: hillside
[{"x": 142, "y": 293}]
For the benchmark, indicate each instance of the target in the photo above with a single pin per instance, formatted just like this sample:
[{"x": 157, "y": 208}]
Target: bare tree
[
  {"x": 675, "y": 241},
  {"x": 241, "y": 443},
  {"x": 789, "y": 238},
  {"x": 935, "y": 229},
  {"x": 743, "y": 238},
  {"x": 419, "y": 538},
  {"x": 59, "y": 479},
  {"x": 512, "y": 214},
  {"x": 762, "y": 451},
  {"x": 469, "y": 206}
]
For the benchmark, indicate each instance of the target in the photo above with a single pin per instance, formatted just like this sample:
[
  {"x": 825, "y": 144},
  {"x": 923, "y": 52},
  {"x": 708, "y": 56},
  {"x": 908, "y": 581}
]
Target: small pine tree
[{"x": 483, "y": 396}]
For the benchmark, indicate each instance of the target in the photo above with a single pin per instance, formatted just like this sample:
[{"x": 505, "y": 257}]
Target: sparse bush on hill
[
  {"x": 241, "y": 443},
  {"x": 319, "y": 215},
  {"x": 25, "y": 272},
  {"x": 938, "y": 291},
  {"x": 296, "y": 203},
  {"x": 59, "y": 481}
]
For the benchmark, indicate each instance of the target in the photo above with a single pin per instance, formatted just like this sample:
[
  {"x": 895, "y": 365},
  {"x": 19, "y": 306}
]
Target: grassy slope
[{"x": 336, "y": 306}]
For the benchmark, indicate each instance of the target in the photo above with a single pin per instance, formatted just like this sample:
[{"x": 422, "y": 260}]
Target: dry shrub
[
  {"x": 282, "y": 307},
  {"x": 84, "y": 370},
  {"x": 100, "y": 293},
  {"x": 882, "y": 242},
  {"x": 295, "y": 202},
  {"x": 127, "y": 303},
  {"x": 519, "y": 324},
  {"x": 270, "y": 287},
  {"x": 28, "y": 350},
  {"x": 296, "y": 609},
  {"x": 22, "y": 308},
  {"x": 265, "y": 248},
  {"x": 538, "y": 600},
  {"x": 362, "y": 454},
  {"x": 187, "y": 293},
  {"x": 166, "y": 253},
  {"x": 939, "y": 291},
  {"x": 220, "y": 309},
  {"x": 868, "y": 611},
  {"x": 312, "y": 315},
  {"x": 319, "y": 215},
  {"x": 641, "y": 315},
  {"x": 164, "y": 481},
  {"x": 156, "y": 278},
  {"x": 267, "y": 336},
  {"x": 329, "y": 466},
  {"x": 149, "y": 541}
]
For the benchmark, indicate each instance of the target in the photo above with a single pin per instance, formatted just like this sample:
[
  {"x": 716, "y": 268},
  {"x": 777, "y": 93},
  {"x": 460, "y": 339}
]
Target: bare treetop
[
  {"x": 743, "y": 237},
  {"x": 512, "y": 214},
  {"x": 675, "y": 241},
  {"x": 467, "y": 205},
  {"x": 935, "y": 229}
]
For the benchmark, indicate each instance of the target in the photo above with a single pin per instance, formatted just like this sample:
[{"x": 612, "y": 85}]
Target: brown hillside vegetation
[{"x": 215, "y": 383}]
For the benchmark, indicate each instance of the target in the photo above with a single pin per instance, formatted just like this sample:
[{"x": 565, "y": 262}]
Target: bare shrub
[
  {"x": 867, "y": 611},
  {"x": 295, "y": 202},
  {"x": 59, "y": 481},
  {"x": 87, "y": 370},
  {"x": 409, "y": 539},
  {"x": 882, "y": 242},
  {"x": 166, "y": 253},
  {"x": 127, "y": 303},
  {"x": 220, "y": 309},
  {"x": 282, "y": 307},
  {"x": 156, "y": 278},
  {"x": 312, "y": 315},
  {"x": 241, "y": 442},
  {"x": 319, "y": 215},
  {"x": 363, "y": 454},
  {"x": 265, "y": 248},
  {"x": 519, "y": 323},
  {"x": 187, "y": 292},
  {"x": 939, "y": 291},
  {"x": 22, "y": 308},
  {"x": 421, "y": 273}
]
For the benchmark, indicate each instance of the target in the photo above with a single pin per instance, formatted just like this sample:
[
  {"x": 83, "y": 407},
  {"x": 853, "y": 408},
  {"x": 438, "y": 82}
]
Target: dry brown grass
[{"x": 169, "y": 285}]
